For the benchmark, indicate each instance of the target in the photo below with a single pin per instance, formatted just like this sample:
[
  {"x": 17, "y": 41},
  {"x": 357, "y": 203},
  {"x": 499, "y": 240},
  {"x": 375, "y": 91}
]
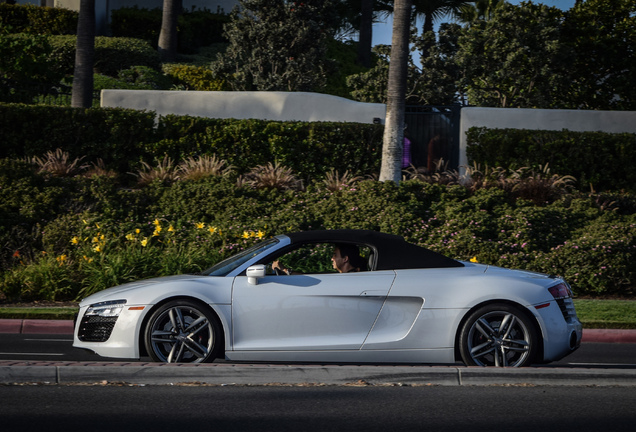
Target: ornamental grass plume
[
  {"x": 204, "y": 166},
  {"x": 270, "y": 176},
  {"x": 58, "y": 163},
  {"x": 334, "y": 181},
  {"x": 164, "y": 171}
]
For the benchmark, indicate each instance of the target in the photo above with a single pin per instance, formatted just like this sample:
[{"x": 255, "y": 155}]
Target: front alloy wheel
[
  {"x": 182, "y": 332},
  {"x": 498, "y": 335}
]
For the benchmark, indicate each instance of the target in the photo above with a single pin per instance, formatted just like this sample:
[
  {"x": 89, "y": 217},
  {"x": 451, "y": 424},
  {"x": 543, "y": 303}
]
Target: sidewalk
[
  {"x": 28, "y": 326},
  {"x": 220, "y": 374}
]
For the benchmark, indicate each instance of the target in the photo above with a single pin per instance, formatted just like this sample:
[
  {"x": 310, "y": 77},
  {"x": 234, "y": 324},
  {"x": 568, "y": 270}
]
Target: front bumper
[{"x": 115, "y": 337}]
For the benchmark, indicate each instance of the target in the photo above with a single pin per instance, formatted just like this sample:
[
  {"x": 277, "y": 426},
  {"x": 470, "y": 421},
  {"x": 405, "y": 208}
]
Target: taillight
[{"x": 560, "y": 291}]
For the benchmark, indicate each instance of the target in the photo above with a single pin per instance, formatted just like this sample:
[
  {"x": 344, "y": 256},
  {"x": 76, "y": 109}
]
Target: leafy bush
[
  {"x": 37, "y": 20},
  {"x": 112, "y": 55},
  {"x": 82, "y": 234},
  {"x": 601, "y": 159},
  {"x": 25, "y": 59},
  {"x": 194, "y": 77},
  {"x": 196, "y": 28}
]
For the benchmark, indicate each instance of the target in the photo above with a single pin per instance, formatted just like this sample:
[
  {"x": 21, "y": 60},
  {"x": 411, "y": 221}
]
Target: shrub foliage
[
  {"x": 66, "y": 237},
  {"x": 604, "y": 160}
]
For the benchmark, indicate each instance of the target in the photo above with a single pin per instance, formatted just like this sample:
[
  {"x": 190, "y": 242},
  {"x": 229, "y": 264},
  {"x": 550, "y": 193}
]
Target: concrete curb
[
  {"x": 255, "y": 374},
  {"x": 29, "y": 326}
]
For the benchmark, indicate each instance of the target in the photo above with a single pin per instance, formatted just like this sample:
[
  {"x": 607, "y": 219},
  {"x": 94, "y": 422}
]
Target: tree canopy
[{"x": 277, "y": 45}]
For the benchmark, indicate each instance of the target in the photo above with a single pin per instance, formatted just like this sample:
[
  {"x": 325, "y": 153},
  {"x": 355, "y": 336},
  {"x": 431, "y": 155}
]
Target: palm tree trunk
[
  {"x": 168, "y": 36},
  {"x": 366, "y": 33},
  {"x": 393, "y": 141},
  {"x": 82, "y": 93}
]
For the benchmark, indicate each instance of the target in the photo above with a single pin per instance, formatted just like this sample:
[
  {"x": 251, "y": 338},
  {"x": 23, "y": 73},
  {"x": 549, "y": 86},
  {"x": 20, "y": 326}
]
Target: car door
[{"x": 307, "y": 311}]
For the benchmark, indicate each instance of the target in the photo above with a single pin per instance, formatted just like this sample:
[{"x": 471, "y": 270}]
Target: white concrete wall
[
  {"x": 543, "y": 119},
  {"x": 279, "y": 106}
]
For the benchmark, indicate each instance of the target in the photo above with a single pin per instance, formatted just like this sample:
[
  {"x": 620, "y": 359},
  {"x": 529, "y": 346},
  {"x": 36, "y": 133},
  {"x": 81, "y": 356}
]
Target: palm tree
[
  {"x": 433, "y": 10},
  {"x": 393, "y": 139},
  {"x": 482, "y": 9},
  {"x": 366, "y": 33},
  {"x": 82, "y": 93},
  {"x": 167, "y": 45}
]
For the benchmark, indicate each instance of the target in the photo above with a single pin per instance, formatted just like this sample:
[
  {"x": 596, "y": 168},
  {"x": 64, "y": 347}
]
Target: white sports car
[{"x": 291, "y": 299}]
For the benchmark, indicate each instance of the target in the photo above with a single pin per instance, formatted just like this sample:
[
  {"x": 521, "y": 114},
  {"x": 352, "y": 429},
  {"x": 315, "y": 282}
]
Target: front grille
[
  {"x": 567, "y": 309},
  {"x": 94, "y": 328}
]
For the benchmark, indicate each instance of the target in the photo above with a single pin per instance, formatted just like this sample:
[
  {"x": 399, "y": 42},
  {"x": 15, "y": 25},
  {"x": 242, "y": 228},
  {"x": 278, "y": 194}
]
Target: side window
[
  {"x": 316, "y": 258},
  {"x": 309, "y": 258}
]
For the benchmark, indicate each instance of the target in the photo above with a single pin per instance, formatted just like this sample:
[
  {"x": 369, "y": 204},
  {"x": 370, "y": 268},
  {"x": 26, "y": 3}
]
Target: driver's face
[{"x": 337, "y": 260}]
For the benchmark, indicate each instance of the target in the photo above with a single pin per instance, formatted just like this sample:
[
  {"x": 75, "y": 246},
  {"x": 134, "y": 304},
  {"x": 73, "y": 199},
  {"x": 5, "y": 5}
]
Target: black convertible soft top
[{"x": 393, "y": 252}]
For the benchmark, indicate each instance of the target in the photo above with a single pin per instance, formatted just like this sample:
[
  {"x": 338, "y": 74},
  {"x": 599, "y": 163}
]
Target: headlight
[{"x": 106, "y": 309}]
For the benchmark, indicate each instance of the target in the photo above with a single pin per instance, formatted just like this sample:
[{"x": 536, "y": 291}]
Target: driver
[{"x": 345, "y": 259}]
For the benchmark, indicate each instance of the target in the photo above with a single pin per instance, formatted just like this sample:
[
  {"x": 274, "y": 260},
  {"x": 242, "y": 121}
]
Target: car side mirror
[{"x": 254, "y": 273}]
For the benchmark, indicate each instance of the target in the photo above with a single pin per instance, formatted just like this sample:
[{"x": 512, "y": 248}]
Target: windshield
[{"x": 226, "y": 266}]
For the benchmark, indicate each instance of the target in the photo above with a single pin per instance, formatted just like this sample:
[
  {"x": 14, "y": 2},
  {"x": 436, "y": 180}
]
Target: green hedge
[
  {"x": 604, "y": 160},
  {"x": 111, "y": 54},
  {"x": 37, "y": 20},
  {"x": 190, "y": 77},
  {"x": 65, "y": 238},
  {"x": 122, "y": 138},
  {"x": 196, "y": 28}
]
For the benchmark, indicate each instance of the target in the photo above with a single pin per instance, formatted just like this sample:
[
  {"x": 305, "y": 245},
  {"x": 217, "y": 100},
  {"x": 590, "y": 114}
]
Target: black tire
[
  {"x": 498, "y": 335},
  {"x": 183, "y": 331}
]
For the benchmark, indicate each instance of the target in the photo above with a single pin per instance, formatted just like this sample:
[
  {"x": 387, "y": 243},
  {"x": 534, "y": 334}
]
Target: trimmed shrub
[
  {"x": 194, "y": 77},
  {"x": 111, "y": 54},
  {"x": 38, "y": 20},
  {"x": 196, "y": 28},
  {"x": 603, "y": 160}
]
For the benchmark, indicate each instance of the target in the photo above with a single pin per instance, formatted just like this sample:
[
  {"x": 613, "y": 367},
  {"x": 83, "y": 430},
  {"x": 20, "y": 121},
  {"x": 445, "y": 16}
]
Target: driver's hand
[{"x": 276, "y": 265}]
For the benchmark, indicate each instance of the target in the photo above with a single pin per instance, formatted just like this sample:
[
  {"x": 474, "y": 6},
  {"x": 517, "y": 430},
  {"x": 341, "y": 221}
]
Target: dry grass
[
  {"x": 164, "y": 171},
  {"x": 334, "y": 181},
  {"x": 270, "y": 176},
  {"x": 58, "y": 163},
  {"x": 99, "y": 169},
  {"x": 197, "y": 168}
]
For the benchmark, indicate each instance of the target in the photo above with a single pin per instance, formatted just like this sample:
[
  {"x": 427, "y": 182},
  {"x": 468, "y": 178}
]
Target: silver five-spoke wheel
[
  {"x": 498, "y": 335},
  {"x": 182, "y": 332}
]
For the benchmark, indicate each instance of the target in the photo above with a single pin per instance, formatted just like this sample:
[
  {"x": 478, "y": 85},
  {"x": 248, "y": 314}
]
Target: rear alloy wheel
[
  {"x": 182, "y": 331},
  {"x": 498, "y": 335}
]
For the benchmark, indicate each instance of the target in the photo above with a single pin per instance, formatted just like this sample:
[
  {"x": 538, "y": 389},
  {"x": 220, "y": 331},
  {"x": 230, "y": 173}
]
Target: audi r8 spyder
[{"x": 403, "y": 304}]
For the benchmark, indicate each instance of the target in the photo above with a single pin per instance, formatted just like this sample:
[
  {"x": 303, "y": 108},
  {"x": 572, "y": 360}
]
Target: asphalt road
[
  {"x": 59, "y": 347},
  {"x": 316, "y": 408}
]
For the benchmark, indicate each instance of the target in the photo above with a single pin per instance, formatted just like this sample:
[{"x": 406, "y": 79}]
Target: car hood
[{"x": 122, "y": 291}]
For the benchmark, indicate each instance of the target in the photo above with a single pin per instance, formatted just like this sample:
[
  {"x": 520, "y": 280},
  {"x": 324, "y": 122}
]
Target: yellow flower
[
  {"x": 260, "y": 234},
  {"x": 212, "y": 230},
  {"x": 474, "y": 259},
  {"x": 200, "y": 225},
  {"x": 97, "y": 248},
  {"x": 157, "y": 222},
  {"x": 156, "y": 233},
  {"x": 170, "y": 228},
  {"x": 144, "y": 242},
  {"x": 87, "y": 259},
  {"x": 61, "y": 258},
  {"x": 74, "y": 240},
  {"x": 246, "y": 234},
  {"x": 137, "y": 231},
  {"x": 130, "y": 237},
  {"x": 97, "y": 225},
  {"x": 95, "y": 240}
]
